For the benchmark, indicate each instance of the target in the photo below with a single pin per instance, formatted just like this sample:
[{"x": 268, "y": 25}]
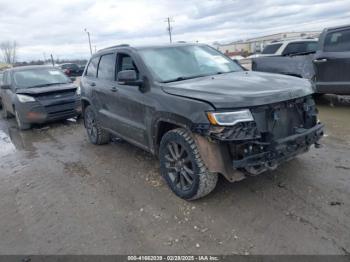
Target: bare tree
[{"x": 9, "y": 51}]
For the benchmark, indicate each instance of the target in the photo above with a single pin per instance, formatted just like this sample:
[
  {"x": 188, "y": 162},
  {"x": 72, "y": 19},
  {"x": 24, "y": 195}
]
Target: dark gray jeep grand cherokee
[{"x": 199, "y": 111}]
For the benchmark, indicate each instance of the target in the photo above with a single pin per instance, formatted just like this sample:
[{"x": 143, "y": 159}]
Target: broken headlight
[{"x": 230, "y": 118}]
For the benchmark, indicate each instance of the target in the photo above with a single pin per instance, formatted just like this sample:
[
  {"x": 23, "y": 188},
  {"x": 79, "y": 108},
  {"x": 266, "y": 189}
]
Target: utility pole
[
  {"x": 169, "y": 28},
  {"x": 52, "y": 61},
  {"x": 88, "y": 33}
]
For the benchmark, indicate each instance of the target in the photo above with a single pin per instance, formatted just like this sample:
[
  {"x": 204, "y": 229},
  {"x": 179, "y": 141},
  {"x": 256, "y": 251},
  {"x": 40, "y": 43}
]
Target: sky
[{"x": 44, "y": 27}]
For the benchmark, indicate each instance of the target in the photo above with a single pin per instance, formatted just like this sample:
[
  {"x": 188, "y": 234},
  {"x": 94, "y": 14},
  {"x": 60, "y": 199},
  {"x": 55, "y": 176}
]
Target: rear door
[
  {"x": 105, "y": 90},
  {"x": 332, "y": 62}
]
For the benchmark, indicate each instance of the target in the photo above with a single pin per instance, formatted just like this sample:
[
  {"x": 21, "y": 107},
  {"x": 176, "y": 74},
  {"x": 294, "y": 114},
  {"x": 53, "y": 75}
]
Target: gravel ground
[{"x": 61, "y": 195}]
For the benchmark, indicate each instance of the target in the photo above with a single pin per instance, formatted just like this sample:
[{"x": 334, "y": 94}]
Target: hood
[
  {"x": 241, "y": 89},
  {"x": 47, "y": 89}
]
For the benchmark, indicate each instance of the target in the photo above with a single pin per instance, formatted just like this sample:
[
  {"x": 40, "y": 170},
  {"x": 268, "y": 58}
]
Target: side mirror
[
  {"x": 73, "y": 78},
  {"x": 128, "y": 77},
  {"x": 5, "y": 87}
]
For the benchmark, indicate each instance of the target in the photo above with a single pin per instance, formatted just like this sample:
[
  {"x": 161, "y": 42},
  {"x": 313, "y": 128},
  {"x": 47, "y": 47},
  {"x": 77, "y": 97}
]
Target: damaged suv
[{"x": 199, "y": 111}]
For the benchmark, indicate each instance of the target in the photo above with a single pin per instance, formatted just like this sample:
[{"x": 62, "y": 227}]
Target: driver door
[{"x": 131, "y": 105}]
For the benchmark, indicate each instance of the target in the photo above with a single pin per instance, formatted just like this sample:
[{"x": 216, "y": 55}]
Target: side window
[
  {"x": 92, "y": 67},
  {"x": 337, "y": 41},
  {"x": 106, "y": 67},
  {"x": 271, "y": 49},
  {"x": 300, "y": 47}
]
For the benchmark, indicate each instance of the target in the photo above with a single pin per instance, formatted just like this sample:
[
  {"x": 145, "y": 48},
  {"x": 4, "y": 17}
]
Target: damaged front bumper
[
  {"x": 280, "y": 150},
  {"x": 278, "y": 133}
]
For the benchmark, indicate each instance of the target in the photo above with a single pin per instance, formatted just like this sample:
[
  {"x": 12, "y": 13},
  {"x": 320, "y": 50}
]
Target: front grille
[
  {"x": 285, "y": 118},
  {"x": 61, "y": 110},
  {"x": 56, "y": 95}
]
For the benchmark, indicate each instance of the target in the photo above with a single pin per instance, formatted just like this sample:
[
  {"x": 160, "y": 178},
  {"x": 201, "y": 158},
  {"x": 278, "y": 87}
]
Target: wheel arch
[
  {"x": 164, "y": 124},
  {"x": 85, "y": 102}
]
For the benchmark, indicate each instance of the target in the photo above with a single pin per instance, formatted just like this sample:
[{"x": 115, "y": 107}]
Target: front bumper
[
  {"x": 40, "y": 112},
  {"x": 280, "y": 150}
]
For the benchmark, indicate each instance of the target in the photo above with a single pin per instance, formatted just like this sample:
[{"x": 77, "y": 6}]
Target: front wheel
[
  {"x": 182, "y": 166},
  {"x": 96, "y": 134}
]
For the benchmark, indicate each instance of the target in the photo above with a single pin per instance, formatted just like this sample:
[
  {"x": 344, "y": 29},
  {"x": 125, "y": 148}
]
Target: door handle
[
  {"x": 322, "y": 60},
  {"x": 92, "y": 84},
  {"x": 114, "y": 89}
]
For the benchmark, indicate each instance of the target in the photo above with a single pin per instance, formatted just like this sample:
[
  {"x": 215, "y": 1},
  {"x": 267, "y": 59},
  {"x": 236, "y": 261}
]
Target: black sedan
[
  {"x": 38, "y": 94},
  {"x": 71, "y": 69}
]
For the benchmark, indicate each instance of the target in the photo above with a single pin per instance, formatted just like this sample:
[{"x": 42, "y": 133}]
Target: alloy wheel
[{"x": 179, "y": 166}]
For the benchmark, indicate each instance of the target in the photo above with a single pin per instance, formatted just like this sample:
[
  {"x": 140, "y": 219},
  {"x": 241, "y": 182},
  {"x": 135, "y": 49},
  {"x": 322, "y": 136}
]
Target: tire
[
  {"x": 20, "y": 124},
  {"x": 96, "y": 134},
  {"x": 182, "y": 166}
]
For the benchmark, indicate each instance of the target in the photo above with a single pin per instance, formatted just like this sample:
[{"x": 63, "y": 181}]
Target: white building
[{"x": 256, "y": 45}]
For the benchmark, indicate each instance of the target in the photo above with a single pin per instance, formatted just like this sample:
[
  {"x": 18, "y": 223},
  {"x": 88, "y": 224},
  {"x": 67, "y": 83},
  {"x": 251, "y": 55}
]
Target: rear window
[
  {"x": 300, "y": 47},
  {"x": 92, "y": 67},
  {"x": 271, "y": 49},
  {"x": 337, "y": 41},
  {"x": 106, "y": 67}
]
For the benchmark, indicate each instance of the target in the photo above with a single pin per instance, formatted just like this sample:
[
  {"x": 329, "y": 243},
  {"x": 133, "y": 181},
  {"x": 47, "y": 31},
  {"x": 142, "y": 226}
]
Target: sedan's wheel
[
  {"x": 95, "y": 133},
  {"x": 20, "y": 124},
  {"x": 182, "y": 166}
]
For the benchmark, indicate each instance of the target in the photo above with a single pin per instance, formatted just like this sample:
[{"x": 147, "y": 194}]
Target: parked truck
[{"x": 328, "y": 67}]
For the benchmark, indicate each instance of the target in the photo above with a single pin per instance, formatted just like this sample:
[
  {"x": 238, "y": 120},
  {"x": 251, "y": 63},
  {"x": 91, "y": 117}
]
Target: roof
[
  {"x": 294, "y": 41},
  {"x": 336, "y": 27},
  {"x": 148, "y": 46}
]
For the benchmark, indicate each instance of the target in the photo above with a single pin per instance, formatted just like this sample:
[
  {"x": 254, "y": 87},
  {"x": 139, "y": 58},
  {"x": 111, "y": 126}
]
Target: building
[{"x": 256, "y": 45}]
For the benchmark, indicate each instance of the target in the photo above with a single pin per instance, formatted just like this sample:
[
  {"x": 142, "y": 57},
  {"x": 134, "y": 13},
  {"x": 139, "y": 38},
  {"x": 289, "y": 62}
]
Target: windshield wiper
[
  {"x": 49, "y": 84},
  {"x": 181, "y": 78}
]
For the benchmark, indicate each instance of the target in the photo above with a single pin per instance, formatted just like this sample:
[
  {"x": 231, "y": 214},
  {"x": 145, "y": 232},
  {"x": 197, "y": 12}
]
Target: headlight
[
  {"x": 25, "y": 98},
  {"x": 78, "y": 91},
  {"x": 230, "y": 118}
]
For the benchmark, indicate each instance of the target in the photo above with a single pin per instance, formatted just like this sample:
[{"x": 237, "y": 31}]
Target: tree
[{"x": 9, "y": 51}]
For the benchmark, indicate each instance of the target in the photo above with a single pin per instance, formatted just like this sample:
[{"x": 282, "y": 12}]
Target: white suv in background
[{"x": 296, "y": 46}]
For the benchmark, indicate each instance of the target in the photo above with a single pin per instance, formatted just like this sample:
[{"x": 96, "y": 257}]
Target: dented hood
[
  {"x": 241, "y": 89},
  {"x": 47, "y": 89}
]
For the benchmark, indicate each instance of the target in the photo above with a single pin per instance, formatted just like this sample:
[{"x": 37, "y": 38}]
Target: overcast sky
[{"x": 47, "y": 26}]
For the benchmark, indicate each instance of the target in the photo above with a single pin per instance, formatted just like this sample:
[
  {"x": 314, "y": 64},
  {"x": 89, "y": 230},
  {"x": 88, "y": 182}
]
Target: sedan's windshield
[
  {"x": 184, "y": 62},
  {"x": 39, "y": 78}
]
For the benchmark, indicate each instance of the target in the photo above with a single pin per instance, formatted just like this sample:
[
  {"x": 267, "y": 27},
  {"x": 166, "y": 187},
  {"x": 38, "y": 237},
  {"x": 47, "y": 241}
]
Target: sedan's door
[{"x": 332, "y": 62}]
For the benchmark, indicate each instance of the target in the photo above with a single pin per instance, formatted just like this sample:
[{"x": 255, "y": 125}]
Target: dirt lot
[{"x": 61, "y": 195}]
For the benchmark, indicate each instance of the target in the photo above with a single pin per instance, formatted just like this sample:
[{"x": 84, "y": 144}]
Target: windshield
[
  {"x": 184, "y": 62},
  {"x": 39, "y": 77}
]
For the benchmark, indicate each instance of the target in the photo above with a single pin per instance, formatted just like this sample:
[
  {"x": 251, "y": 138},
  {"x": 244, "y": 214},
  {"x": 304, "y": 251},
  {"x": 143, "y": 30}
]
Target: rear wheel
[
  {"x": 20, "y": 124},
  {"x": 96, "y": 134},
  {"x": 182, "y": 166}
]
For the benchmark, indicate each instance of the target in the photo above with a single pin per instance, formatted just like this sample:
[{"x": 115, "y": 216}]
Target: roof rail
[{"x": 114, "y": 46}]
